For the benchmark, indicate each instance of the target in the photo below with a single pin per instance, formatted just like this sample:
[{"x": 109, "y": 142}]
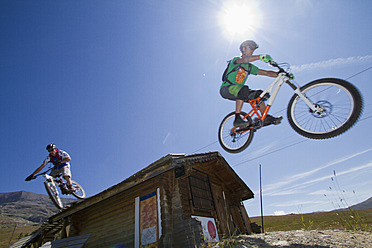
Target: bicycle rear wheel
[
  {"x": 53, "y": 194},
  {"x": 232, "y": 139},
  {"x": 340, "y": 103},
  {"x": 79, "y": 191}
]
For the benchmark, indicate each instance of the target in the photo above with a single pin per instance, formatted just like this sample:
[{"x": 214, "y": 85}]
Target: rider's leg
[
  {"x": 242, "y": 95},
  {"x": 269, "y": 118},
  {"x": 68, "y": 180},
  {"x": 67, "y": 176},
  {"x": 262, "y": 107},
  {"x": 238, "y": 121},
  {"x": 238, "y": 106}
]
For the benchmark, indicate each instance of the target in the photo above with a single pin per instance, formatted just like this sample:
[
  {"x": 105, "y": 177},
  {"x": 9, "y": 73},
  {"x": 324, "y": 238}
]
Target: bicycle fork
[
  {"x": 314, "y": 108},
  {"x": 50, "y": 179}
]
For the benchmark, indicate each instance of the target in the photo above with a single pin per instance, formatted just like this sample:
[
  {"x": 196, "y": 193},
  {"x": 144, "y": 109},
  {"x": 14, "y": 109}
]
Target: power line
[
  {"x": 205, "y": 146},
  {"x": 359, "y": 73},
  {"x": 277, "y": 150}
]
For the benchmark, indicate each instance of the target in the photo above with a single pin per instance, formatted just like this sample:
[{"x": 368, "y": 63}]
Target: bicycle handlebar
[
  {"x": 275, "y": 64},
  {"x": 42, "y": 173}
]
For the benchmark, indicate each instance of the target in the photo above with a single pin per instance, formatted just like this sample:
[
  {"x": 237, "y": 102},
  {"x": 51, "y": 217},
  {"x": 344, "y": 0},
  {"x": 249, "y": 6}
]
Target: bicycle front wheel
[
  {"x": 79, "y": 191},
  {"x": 53, "y": 194},
  {"x": 339, "y": 104},
  {"x": 232, "y": 139}
]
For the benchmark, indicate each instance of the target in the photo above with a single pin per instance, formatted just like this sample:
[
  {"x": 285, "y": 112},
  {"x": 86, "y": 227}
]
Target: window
[{"x": 200, "y": 189}]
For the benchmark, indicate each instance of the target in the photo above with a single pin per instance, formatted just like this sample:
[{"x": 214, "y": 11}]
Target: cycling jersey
[
  {"x": 61, "y": 155},
  {"x": 238, "y": 73}
]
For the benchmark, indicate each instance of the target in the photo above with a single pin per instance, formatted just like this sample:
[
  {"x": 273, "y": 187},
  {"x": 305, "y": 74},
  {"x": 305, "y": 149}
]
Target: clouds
[
  {"x": 332, "y": 63},
  {"x": 166, "y": 137},
  {"x": 279, "y": 213},
  {"x": 287, "y": 186}
]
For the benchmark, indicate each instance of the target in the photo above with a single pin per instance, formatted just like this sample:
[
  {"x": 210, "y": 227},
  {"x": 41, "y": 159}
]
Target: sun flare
[{"x": 240, "y": 19}]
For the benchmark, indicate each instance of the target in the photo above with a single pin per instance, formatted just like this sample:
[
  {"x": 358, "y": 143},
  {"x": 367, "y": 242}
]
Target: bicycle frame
[
  {"x": 273, "y": 91},
  {"x": 51, "y": 179},
  {"x": 48, "y": 178}
]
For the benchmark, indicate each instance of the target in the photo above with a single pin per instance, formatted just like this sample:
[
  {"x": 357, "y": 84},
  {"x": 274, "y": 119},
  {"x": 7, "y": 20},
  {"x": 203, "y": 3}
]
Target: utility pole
[
  {"x": 262, "y": 223},
  {"x": 11, "y": 237}
]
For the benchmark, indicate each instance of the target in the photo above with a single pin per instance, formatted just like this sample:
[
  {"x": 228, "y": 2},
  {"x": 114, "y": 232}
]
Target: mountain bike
[
  {"x": 321, "y": 109},
  {"x": 52, "y": 182}
]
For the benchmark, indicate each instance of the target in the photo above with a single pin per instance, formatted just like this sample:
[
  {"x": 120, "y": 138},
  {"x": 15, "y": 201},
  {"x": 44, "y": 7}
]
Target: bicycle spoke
[{"x": 338, "y": 105}]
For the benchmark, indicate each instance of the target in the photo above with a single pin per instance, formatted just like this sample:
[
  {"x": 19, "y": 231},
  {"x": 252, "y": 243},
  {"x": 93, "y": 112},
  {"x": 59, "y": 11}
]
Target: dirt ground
[{"x": 302, "y": 238}]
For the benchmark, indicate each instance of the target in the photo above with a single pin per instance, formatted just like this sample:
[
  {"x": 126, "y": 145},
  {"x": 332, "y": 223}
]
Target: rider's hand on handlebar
[
  {"x": 266, "y": 58},
  {"x": 30, "y": 177}
]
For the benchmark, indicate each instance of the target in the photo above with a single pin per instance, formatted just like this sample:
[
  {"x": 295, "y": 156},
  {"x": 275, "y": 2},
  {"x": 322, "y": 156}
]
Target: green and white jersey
[{"x": 238, "y": 73}]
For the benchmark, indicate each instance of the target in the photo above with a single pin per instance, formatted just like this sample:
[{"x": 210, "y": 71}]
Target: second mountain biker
[{"x": 60, "y": 159}]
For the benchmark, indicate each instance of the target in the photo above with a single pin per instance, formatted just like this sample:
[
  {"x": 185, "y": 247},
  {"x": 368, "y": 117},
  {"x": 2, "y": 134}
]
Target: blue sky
[{"x": 119, "y": 84}]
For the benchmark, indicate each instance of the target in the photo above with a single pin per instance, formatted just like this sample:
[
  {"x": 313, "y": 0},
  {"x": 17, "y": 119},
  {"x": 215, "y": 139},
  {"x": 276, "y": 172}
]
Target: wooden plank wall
[
  {"x": 180, "y": 230},
  {"x": 228, "y": 216},
  {"x": 111, "y": 222}
]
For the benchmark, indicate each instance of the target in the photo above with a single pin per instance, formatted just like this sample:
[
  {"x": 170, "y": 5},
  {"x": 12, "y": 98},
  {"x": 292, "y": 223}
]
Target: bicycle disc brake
[{"x": 323, "y": 109}]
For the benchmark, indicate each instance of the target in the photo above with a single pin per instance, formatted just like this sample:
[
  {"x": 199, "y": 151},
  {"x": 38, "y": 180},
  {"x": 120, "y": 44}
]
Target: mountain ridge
[
  {"x": 363, "y": 205},
  {"x": 26, "y": 208}
]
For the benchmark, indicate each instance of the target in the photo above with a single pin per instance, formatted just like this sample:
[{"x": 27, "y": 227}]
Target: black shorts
[{"x": 239, "y": 92}]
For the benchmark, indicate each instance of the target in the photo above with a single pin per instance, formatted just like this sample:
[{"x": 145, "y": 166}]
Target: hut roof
[{"x": 212, "y": 162}]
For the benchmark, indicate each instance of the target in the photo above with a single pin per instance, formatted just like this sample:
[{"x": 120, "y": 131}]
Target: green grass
[
  {"x": 19, "y": 232},
  {"x": 347, "y": 219},
  {"x": 337, "y": 220}
]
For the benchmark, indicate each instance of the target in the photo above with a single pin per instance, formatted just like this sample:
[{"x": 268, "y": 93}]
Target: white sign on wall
[{"x": 209, "y": 228}]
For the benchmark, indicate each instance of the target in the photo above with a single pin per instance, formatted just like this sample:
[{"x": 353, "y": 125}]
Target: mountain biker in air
[
  {"x": 60, "y": 159},
  {"x": 236, "y": 75}
]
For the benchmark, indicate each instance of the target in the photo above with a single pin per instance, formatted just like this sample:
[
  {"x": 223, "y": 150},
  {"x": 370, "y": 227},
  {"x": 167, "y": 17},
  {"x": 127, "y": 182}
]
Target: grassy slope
[
  {"x": 320, "y": 221},
  {"x": 328, "y": 220},
  {"x": 19, "y": 232}
]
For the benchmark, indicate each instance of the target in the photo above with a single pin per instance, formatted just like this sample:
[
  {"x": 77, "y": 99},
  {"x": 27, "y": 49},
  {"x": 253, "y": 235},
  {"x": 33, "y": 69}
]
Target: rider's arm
[
  {"x": 45, "y": 162},
  {"x": 267, "y": 73},
  {"x": 30, "y": 177},
  {"x": 65, "y": 160},
  {"x": 65, "y": 157},
  {"x": 38, "y": 169},
  {"x": 247, "y": 59}
]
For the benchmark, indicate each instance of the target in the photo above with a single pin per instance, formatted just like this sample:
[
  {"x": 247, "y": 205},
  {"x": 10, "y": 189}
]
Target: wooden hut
[{"x": 178, "y": 201}]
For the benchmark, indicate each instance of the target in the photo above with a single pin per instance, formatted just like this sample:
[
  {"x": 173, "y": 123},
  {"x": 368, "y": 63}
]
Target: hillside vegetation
[
  {"x": 345, "y": 219},
  {"x": 22, "y": 212},
  {"x": 25, "y": 208},
  {"x": 338, "y": 220}
]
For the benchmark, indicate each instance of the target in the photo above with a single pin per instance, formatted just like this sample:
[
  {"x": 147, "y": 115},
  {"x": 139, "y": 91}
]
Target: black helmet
[
  {"x": 248, "y": 43},
  {"x": 51, "y": 147}
]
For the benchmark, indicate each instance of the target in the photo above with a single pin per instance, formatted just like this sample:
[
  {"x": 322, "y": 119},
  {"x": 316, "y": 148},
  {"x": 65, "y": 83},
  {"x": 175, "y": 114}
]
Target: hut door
[{"x": 222, "y": 215}]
